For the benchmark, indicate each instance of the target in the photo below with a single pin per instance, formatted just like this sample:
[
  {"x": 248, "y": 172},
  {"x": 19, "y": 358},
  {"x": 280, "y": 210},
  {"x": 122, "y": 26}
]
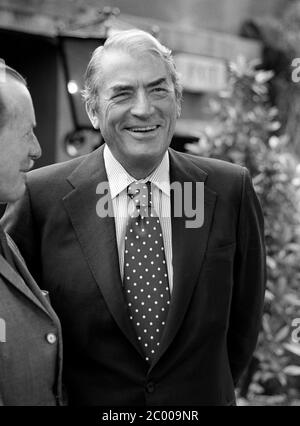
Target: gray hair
[
  {"x": 133, "y": 42},
  {"x": 7, "y": 73}
]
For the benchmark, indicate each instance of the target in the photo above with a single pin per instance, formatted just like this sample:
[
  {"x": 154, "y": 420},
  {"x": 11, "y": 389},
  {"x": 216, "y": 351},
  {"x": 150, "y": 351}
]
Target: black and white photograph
[{"x": 149, "y": 206}]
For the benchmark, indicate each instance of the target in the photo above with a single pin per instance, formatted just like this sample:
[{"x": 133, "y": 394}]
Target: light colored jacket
[{"x": 30, "y": 339}]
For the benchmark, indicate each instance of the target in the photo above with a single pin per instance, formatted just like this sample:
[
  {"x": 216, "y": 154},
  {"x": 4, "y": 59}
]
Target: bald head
[{"x": 9, "y": 81}]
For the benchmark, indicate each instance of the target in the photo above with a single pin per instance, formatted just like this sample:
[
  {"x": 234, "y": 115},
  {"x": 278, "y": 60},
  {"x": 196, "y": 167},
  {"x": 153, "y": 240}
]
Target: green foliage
[{"x": 244, "y": 131}]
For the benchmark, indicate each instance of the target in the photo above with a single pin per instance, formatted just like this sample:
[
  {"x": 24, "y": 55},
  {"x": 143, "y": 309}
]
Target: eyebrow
[
  {"x": 120, "y": 87},
  {"x": 157, "y": 82}
]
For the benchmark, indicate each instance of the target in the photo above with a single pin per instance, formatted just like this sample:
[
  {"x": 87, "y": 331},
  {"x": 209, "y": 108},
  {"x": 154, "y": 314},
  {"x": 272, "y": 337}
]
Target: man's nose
[
  {"x": 35, "y": 149},
  {"x": 142, "y": 106}
]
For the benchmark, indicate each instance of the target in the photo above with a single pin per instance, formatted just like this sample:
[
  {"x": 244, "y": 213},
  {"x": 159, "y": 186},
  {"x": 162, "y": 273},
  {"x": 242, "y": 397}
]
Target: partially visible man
[
  {"x": 30, "y": 333},
  {"x": 153, "y": 311}
]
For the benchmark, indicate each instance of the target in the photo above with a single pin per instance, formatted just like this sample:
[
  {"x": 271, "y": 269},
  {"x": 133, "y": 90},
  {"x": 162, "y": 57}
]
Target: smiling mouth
[{"x": 145, "y": 129}]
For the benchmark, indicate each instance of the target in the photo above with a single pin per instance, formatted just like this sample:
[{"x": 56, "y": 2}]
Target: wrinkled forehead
[{"x": 119, "y": 67}]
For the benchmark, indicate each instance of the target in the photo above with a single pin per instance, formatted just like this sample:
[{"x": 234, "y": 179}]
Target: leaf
[
  {"x": 292, "y": 299},
  {"x": 273, "y": 112},
  {"x": 256, "y": 388},
  {"x": 293, "y": 247},
  {"x": 274, "y": 126},
  {"x": 266, "y": 324},
  {"x": 263, "y": 77},
  {"x": 292, "y": 370},
  {"x": 282, "y": 379},
  {"x": 269, "y": 296},
  {"x": 271, "y": 263},
  {"x": 274, "y": 142},
  {"x": 282, "y": 333},
  {"x": 293, "y": 348}
]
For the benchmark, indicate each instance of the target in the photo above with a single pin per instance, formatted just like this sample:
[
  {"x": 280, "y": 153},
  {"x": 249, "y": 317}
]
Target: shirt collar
[{"x": 119, "y": 178}]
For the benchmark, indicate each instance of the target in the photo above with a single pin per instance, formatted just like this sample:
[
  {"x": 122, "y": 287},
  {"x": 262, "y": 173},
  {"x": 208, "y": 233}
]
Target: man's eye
[
  {"x": 121, "y": 95},
  {"x": 159, "y": 90}
]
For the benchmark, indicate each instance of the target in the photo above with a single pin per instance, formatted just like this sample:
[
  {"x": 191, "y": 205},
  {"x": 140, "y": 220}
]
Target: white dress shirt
[{"x": 119, "y": 179}]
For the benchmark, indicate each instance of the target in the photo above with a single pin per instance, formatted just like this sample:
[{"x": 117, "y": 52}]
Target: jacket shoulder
[
  {"x": 218, "y": 173},
  {"x": 221, "y": 177},
  {"x": 214, "y": 166},
  {"x": 55, "y": 171}
]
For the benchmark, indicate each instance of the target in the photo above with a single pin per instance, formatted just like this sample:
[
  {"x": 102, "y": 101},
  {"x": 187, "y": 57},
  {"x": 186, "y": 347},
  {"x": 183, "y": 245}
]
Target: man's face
[
  {"x": 18, "y": 144},
  {"x": 137, "y": 108}
]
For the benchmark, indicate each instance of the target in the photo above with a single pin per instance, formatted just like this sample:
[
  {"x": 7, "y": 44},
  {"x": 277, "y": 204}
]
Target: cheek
[
  {"x": 104, "y": 125},
  {"x": 169, "y": 109},
  {"x": 113, "y": 115},
  {"x": 106, "y": 116}
]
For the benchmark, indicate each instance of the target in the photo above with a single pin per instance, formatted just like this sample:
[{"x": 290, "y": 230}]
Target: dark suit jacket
[
  {"x": 30, "y": 366},
  {"x": 217, "y": 300}
]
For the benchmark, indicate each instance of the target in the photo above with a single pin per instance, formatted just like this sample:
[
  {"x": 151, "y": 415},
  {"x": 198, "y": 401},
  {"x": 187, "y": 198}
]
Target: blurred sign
[{"x": 201, "y": 74}]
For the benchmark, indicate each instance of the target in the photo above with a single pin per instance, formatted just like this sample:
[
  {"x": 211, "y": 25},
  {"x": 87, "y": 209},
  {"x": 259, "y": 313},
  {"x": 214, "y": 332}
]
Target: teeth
[{"x": 143, "y": 129}]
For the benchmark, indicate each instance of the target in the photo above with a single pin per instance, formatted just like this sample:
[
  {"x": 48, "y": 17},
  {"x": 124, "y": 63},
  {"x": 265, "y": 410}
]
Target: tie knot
[{"x": 140, "y": 193}]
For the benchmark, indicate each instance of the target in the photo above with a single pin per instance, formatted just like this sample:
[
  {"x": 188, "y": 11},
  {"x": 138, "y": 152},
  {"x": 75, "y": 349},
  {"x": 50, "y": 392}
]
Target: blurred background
[{"x": 240, "y": 66}]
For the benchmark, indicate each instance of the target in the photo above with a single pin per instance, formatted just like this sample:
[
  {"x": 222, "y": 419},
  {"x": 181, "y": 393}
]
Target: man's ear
[{"x": 93, "y": 117}]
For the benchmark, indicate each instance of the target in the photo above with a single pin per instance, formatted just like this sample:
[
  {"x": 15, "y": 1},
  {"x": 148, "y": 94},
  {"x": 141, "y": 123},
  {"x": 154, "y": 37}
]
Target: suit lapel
[
  {"x": 97, "y": 237},
  {"x": 188, "y": 246},
  {"x": 31, "y": 283},
  {"x": 22, "y": 281}
]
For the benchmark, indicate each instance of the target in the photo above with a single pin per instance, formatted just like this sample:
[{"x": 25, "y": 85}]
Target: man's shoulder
[
  {"x": 57, "y": 176},
  {"x": 211, "y": 166},
  {"x": 221, "y": 177},
  {"x": 56, "y": 171}
]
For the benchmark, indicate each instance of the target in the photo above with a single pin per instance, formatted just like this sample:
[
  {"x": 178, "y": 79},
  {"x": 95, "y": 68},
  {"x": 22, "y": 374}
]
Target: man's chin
[{"x": 149, "y": 150}]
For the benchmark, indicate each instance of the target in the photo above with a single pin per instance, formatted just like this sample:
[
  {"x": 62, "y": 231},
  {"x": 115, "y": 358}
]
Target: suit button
[
  {"x": 51, "y": 338},
  {"x": 150, "y": 387}
]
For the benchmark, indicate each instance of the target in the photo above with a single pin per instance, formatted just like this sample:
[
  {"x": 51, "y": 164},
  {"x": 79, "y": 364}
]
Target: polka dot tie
[{"x": 146, "y": 283}]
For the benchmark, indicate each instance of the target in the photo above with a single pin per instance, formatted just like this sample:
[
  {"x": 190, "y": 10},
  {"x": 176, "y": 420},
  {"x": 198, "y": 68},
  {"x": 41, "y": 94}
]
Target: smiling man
[
  {"x": 153, "y": 312},
  {"x": 30, "y": 334},
  {"x": 137, "y": 109}
]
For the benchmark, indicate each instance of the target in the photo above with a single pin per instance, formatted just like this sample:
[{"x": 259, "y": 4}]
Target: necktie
[
  {"x": 145, "y": 271},
  {"x": 4, "y": 249}
]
